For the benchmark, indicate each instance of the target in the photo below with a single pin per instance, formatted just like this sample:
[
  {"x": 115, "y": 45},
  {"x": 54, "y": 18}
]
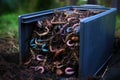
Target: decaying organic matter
[{"x": 55, "y": 42}]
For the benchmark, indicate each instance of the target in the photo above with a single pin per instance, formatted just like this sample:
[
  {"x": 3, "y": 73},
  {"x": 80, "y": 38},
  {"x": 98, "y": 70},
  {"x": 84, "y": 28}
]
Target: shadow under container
[{"x": 96, "y": 37}]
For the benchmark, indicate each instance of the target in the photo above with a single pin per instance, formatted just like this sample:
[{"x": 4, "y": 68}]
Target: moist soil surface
[{"x": 10, "y": 69}]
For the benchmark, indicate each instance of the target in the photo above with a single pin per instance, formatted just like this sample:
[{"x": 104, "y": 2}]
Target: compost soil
[
  {"x": 44, "y": 59},
  {"x": 10, "y": 69}
]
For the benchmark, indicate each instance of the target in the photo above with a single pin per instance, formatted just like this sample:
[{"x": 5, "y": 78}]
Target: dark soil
[
  {"x": 11, "y": 70},
  {"x": 113, "y": 70}
]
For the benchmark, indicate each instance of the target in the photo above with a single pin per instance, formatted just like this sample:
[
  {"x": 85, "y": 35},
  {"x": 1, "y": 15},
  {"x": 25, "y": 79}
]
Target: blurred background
[{"x": 11, "y": 9}]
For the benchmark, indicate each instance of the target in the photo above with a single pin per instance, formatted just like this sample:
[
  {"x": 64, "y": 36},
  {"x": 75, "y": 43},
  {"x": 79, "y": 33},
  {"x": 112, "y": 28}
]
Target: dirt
[
  {"x": 11, "y": 70},
  {"x": 8, "y": 45}
]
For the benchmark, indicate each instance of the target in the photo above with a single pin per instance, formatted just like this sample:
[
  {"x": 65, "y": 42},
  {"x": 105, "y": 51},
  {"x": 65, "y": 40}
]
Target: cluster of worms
[{"x": 55, "y": 43}]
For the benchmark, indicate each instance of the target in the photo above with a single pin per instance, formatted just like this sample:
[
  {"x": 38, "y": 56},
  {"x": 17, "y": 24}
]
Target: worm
[
  {"x": 44, "y": 33},
  {"x": 69, "y": 29},
  {"x": 48, "y": 23},
  {"x": 26, "y": 63},
  {"x": 59, "y": 51},
  {"x": 64, "y": 26},
  {"x": 71, "y": 18},
  {"x": 38, "y": 43},
  {"x": 32, "y": 43},
  {"x": 68, "y": 43},
  {"x": 43, "y": 48},
  {"x": 68, "y": 36},
  {"x": 77, "y": 29},
  {"x": 57, "y": 22},
  {"x": 33, "y": 54},
  {"x": 75, "y": 25},
  {"x": 74, "y": 38},
  {"x": 51, "y": 50},
  {"x": 39, "y": 23},
  {"x": 69, "y": 71},
  {"x": 39, "y": 57},
  {"x": 40, "y": 68}
]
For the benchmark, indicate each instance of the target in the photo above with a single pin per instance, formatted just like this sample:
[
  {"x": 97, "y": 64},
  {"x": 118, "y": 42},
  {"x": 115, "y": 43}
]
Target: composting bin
[{"x": 96, "y": 36}]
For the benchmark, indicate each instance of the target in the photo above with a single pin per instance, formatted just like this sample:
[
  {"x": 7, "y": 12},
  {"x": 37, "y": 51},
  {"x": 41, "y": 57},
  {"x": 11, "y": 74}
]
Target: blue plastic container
[{"x": 96, "y": 36}]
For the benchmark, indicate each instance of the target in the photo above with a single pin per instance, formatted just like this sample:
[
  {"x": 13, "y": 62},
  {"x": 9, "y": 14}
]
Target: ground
[{"x": 11, "y": 70}]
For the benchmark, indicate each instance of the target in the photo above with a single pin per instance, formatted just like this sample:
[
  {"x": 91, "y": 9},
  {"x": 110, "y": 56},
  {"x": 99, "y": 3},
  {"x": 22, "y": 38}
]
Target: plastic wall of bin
[{"x": 96, "y": 37}]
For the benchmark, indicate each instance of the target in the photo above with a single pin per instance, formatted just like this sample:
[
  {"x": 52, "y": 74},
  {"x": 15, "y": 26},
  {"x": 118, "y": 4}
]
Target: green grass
[
  {"x": 9, "y": 25},
  {"x": 118, "y": 26},
  {"x": 118, "y": 22}
]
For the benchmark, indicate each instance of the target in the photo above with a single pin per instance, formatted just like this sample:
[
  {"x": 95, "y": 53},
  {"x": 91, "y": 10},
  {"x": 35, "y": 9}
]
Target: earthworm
[
  {"x": 69, "y": 71},
  {"x": 43, "y": 48},
  {"x": 58, "y": 64},
  {"x": 57, "y": 22},
  {"x": 69, "y": 29},
  {"x": 53, "y": 19},
  {"x": 77, "y": 29},
  {"x": 68, "y": 36},
  {"x": 68, "y": 43},
  {"x": 75, "y": 25},
  {"x": 32, "y": 43},
  {"x": 64, "y": 26},
  {"x": 44, "y": 33},
  {"x": 59, "y": 51},
  {"x": 41, "y": 68},
  {"x": 26, "y": 63},
  {"x": 39, "y": 57},
  {"x": 39, "y": 23},
  {"x": 75, "y": 38},
  {"x": 45, "y": 40},
  {"x": 71, "y": 18},
  {"x": 48, "y": 23},
  {"x": 33, "y": 54},
  {"x": 51, "y": 50},
  {"x": 38, "y": 43}
]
